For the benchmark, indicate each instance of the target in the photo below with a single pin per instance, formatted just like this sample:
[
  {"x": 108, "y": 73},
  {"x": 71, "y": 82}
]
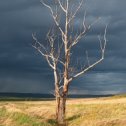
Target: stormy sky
[{"x": 22, "y": 69}]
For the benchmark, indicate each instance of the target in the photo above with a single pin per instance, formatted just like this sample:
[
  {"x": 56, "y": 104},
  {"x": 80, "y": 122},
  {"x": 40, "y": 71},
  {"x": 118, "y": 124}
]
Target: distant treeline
[
  {"x": 38, "y": 97},
  {"x": 25, "y": 95}
]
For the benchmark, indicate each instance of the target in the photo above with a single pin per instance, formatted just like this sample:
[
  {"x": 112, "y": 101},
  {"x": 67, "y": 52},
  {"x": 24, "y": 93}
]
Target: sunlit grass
[
  {"x": 82, "y": 112},
  {"x": 97, "y": 115}
]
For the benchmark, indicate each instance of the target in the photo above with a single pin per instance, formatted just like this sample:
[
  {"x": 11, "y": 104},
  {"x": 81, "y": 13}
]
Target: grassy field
[{"x": 80, "y": 112}]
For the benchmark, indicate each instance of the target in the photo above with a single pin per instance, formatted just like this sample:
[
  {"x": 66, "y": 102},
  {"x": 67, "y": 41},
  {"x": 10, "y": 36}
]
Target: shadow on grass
[
  {"x": 53, "y": 122},
  {"x": 73, "y": 117}
]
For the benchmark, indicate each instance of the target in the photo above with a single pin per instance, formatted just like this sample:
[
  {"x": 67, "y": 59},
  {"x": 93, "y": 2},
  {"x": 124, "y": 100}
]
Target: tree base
[{"x": 62, "y": 124}]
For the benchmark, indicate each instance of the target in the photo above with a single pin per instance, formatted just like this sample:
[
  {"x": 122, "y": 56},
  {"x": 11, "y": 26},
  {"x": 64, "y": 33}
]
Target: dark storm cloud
[
  {"x": 14, "y": 5},
  {"x": 22, "y": 69},
  {"x": 100, "y": 83},
  {"x": 25, "y": 82}
]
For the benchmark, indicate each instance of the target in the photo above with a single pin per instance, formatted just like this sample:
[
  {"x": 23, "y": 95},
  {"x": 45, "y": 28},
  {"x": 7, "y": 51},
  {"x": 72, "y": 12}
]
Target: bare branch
[
  {"x": 61, "y": 79},
  {"x": 85, "y": 30},
  {"x": 84, "y": 21},
  {"x": 60, "y": 46},
  {"x": 95, "y": 63},
  {"x": 46, "y": 5},
  {"x": 105, "y": 40},
  {"x": 50, "y": 64},
  {"x": 99, "y": 37},
  {"x": 51, "y": 38},
  {"x": 85, "y": 70},
  {"x": 73, "y": 16},
  {"x": 55, "y": 57},
  {"x": 87, "y": 58},
  {"x": 67, "y": 6},
  {"x": 94, "y": 22},
  {"x": 45, "y": 55},
  {"x": 103, "y": 46},
  {"x": 60, "y": 87},
  {"x": 61, "y": 6},
  {"x": 53, "y": 15},
  {"x": 40, "y": 45}
]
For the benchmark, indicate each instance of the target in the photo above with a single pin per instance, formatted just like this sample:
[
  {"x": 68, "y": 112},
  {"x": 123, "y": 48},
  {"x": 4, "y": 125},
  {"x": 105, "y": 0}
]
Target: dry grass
[{"x": 80, "y": 112}]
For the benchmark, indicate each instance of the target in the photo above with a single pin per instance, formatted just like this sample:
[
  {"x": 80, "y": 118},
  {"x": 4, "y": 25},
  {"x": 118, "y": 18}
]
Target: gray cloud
[
  {"x": 23, "y": 69},
  {"x": 7, "y": 6},
  {"x": 100, "y": 83}
]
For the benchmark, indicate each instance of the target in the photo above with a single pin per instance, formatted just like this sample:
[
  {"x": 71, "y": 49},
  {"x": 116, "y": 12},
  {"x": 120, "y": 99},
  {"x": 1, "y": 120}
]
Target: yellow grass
[{"x": 80, "y": 112}]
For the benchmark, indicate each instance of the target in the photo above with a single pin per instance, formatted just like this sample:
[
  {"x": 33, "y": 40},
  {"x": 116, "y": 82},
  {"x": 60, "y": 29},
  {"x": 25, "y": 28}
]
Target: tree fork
[{"x": 53, "y": 55}]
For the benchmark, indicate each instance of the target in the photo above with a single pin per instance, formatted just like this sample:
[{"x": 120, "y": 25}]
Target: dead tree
[{"x": 58, "y": 50}]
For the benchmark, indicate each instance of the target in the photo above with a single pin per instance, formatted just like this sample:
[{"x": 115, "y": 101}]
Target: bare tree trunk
[
  {"x": 60, "y": 110},
  {"x": 53, "y": 53}
]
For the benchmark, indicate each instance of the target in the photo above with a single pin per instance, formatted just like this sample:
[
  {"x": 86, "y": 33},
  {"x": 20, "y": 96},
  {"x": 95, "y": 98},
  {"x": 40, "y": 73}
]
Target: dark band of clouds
[{"x": 22, "y": 69}]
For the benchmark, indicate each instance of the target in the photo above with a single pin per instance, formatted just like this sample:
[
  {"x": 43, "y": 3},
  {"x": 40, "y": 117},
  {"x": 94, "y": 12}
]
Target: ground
[{"x": 109, "y": 111}]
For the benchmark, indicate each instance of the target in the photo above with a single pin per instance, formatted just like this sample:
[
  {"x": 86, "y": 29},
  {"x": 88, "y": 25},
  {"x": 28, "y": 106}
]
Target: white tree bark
[{"x": 53, "y": 53}]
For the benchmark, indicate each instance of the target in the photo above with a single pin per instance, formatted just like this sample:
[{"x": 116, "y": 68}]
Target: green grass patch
[
  {"x": 3, "y": 112},
  {"x": 26, "y": 120},
  {"x": 21, "y": 118}
]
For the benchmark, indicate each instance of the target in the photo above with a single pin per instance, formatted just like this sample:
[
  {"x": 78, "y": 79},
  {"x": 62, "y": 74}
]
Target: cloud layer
[{"x": 22, "y": 69}]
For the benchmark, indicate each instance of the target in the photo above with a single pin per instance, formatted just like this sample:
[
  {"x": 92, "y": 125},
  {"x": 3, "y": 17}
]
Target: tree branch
[
  {"x": 40, "y": 45},
  {"x": 54, "y": 16},
  {"x": 73, "y": 16},
  {"x": 83, "y": 71},
  {"x": 95, "y": 63},
  {"x": 83, "y": 33},
  {"x": 61, "y": 6}
]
